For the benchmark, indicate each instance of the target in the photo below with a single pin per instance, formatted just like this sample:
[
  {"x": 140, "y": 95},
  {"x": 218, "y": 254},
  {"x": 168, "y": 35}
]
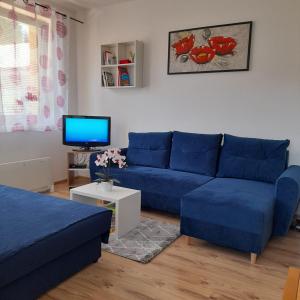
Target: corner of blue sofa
[{"x": 287, "y": 195}]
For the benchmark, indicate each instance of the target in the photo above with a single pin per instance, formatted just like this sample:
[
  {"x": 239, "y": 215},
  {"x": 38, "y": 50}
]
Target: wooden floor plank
[{"x": 197, "y": 271}]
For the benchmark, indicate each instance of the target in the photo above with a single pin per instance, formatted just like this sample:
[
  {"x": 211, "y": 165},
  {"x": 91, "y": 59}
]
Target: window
[
  {"x": 18, "y": 68},
  {"x": 33, "y": 65}
]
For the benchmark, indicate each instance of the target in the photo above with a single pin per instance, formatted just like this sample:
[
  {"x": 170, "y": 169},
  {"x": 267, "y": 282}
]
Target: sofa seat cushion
[
  {"x": 254, "y": 159},
  {"x": 36, "y": 229},
  {"x": 150, "y": 149},
  {"x": 196, "y": 153},
  {"x": 161, "y": 189},
  {"x": 230, "y": 212}
]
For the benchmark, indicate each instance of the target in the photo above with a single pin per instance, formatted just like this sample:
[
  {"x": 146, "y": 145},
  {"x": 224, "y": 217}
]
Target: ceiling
[{"x": 88, "y": 4}]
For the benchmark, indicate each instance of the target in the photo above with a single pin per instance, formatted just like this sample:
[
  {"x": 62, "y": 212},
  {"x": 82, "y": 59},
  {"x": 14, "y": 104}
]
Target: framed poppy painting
[{"x": 219, "y": 48}]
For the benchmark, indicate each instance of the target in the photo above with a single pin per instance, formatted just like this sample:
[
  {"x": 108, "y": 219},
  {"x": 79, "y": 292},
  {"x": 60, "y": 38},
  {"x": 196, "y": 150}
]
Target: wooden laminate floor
[{"x": 198, "y": 271}]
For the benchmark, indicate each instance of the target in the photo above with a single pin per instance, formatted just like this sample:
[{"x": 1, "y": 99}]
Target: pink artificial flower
[
  {"x": 110, "y": 153},
  {"x": 121, "y": 164},
  {"x": 102, "y": 160},
  {"x": 113, "y": 155}
]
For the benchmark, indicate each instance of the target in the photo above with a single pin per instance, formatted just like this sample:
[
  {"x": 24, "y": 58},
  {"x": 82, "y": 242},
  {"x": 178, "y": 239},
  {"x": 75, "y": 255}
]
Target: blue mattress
[{"x": 36, "y": 229}]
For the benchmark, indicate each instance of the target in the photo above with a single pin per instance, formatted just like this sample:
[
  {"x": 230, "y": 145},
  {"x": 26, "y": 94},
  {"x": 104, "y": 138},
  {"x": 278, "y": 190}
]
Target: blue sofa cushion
[
  {"x": 195, "y": 153},
  {"x": 230, "y": 212},
  {"x": 36, "y": 229},
  {"x": 254, "y": 159},
  {"x": 162, "y": 189},
  {"x": 150, "y": 149}
]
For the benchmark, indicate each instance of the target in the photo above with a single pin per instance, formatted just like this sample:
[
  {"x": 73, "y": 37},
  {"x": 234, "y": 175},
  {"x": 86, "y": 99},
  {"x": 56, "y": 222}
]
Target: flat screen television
[{"x": 86, "y": 131}]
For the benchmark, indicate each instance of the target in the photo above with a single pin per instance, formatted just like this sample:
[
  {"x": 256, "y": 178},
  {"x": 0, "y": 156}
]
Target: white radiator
[{"x": 33, "y": 174}]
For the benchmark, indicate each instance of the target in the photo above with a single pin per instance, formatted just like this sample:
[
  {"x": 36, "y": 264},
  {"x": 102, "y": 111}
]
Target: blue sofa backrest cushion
[
  {"x": 195, "y": 153},
  {"x": 151, "y": 149},
  {"x": 251, "y": 158}
]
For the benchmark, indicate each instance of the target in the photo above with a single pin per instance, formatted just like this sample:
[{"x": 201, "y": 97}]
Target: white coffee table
[{"x": 127, "y": 204}]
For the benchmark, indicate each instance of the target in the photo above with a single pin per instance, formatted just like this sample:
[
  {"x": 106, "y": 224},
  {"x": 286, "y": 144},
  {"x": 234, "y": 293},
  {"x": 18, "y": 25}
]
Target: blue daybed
[
  {"x": 237, "y": 194},
  {"x": 44, "y": 240}
]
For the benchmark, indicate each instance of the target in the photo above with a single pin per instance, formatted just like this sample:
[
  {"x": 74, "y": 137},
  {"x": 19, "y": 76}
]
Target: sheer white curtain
[{"x": 33, "y": 67}]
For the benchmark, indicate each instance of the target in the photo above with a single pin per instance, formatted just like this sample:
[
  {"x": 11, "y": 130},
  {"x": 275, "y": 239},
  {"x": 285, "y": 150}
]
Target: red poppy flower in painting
[
  {"x": 61, "y": 29},
  {"x": 222, "y": 45},
  {"x": 184, "y": 45},
  {"x": 202, "y": 54},
  {"x": 62, "y": 77}
]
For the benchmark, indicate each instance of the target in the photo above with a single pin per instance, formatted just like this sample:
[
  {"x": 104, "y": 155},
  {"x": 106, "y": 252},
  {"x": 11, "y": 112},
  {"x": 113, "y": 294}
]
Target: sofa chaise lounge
[
  {"x": 44, "y": 240},
  {"x": 238, "y": 194}
]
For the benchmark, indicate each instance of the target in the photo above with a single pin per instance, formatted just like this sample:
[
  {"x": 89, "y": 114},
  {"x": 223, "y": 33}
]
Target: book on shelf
[
  {"x": 108, "y": 79},
  {"x": 124, "y": 79},
  {"x": 109, "y": 58}
]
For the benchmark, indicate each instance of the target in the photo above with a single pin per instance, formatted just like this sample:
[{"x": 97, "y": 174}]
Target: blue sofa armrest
[
  {"x": 287, "y": 198},
  {"x": 93, "y": 168}
]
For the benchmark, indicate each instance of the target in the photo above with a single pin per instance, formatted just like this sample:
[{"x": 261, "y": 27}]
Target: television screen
[{"x": 86, "y": 131}]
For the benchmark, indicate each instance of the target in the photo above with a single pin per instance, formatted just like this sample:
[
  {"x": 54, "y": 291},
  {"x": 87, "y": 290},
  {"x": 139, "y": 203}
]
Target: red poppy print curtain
[{"x": 33, "y": 68}]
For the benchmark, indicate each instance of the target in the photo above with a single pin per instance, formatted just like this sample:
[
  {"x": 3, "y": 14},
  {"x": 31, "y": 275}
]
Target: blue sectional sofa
[{"x": 236, "y": 194}]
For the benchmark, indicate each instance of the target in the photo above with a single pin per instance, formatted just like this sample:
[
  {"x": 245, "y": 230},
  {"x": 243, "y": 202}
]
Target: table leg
[{"x": 128, "y": 212}]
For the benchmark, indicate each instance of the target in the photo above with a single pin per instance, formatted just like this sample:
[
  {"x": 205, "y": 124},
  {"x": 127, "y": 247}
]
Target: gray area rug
[{"x": 144, "y": 242}]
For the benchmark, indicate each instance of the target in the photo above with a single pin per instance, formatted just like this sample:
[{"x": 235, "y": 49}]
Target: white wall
[
  {"x": 28, "y": 145},
  {"x": 263, "y": 102}
]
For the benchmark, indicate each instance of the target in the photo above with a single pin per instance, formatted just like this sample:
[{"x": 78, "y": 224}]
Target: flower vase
[{"x": 106, "y": 186}]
